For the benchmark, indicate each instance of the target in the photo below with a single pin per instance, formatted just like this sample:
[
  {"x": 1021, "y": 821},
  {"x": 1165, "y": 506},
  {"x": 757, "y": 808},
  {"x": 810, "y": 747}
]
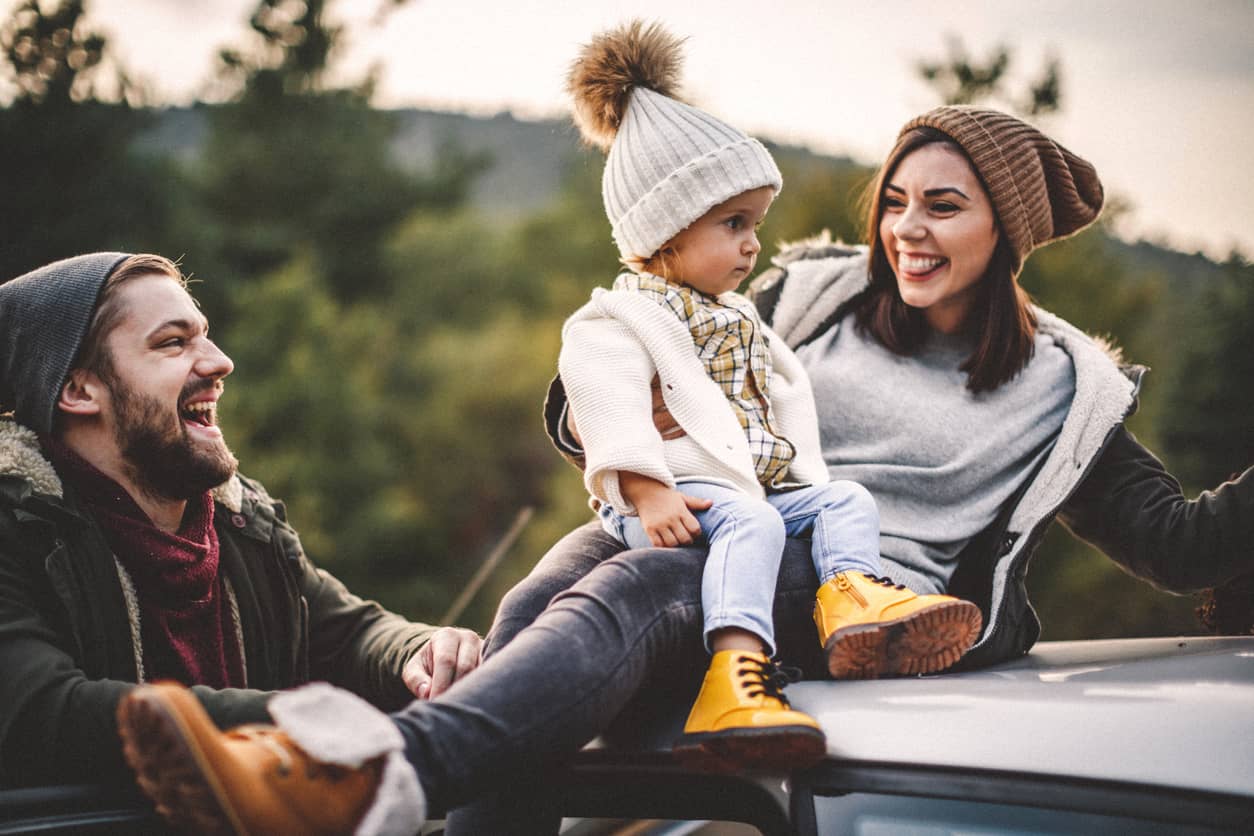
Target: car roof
[{"x": 1173, "y": 712}]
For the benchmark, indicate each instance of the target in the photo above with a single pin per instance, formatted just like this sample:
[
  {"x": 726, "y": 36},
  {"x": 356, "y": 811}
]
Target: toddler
[{"x": 685, "y": 194}]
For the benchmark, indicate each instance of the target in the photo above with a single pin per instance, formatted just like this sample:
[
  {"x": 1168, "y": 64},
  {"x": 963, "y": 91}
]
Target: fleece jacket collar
[{"x": 822, "y": 277}]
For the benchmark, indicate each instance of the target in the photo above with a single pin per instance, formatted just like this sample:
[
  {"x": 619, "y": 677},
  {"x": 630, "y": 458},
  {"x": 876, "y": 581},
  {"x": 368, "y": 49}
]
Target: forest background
[{"x": 391, "y": 286}]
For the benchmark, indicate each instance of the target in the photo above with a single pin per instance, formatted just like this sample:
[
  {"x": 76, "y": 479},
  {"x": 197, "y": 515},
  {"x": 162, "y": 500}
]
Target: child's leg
[
  {"x": 869, "y": 626},
  {"x": 842, "y": 521},
  {"x": 746, "y": 540},
  {"x": 741, "y": 719}
]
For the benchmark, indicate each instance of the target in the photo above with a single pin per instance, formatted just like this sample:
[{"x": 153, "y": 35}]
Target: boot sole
[
  {"x": 171, "y": 770},
  {"x": 779, "y": 748},
  {"x": 927, "y": 641}
]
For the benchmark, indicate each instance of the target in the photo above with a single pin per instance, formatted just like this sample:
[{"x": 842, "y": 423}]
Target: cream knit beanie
[{"x": 668, "y": 163}]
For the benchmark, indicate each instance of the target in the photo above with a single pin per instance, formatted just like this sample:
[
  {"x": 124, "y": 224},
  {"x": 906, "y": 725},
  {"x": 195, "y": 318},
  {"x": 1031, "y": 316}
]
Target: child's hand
[{"x": 665, "y": 513}]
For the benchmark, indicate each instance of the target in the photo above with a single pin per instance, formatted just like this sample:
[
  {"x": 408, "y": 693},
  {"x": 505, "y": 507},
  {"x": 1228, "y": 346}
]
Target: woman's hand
[
  {"x": 665, "y": 513},
  {"x": 663, "y": 421}
]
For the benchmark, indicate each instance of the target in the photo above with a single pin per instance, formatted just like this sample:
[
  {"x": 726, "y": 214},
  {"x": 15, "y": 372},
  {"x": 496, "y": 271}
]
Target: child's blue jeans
[{"x": 746, "y": 539}]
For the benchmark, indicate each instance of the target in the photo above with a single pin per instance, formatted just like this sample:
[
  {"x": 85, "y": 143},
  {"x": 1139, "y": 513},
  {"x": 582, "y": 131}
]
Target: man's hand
[
  {"x": 450, "y": 654},
  {"x": 665, "y": 513}
]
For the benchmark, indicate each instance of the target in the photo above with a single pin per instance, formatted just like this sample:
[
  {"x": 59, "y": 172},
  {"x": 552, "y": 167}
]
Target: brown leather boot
[{"x": 249, "y": 780}]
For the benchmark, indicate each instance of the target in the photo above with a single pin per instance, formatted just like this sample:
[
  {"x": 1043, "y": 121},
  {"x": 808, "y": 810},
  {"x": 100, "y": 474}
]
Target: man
[{"x": 131, "y": 550}]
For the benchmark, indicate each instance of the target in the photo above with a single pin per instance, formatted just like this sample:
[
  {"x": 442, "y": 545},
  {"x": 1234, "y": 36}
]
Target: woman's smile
[{"x": 919, "y": 268}]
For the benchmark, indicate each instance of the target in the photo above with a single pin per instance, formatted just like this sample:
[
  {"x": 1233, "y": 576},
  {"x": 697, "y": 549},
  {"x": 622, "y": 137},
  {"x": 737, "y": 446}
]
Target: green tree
[
  {"x": 960, "y": 78},
  {"x": 296, "y": 165},
  {"x": 73, "y": 181},
  {"x": 403, "y": 452},
  {"x": 1208, "y": 428},
  {"x": 820, "y": 193}
]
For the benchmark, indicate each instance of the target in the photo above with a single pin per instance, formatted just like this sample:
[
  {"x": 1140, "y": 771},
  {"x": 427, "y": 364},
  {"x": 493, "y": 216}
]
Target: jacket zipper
[{"x": 1033, "y": 535}]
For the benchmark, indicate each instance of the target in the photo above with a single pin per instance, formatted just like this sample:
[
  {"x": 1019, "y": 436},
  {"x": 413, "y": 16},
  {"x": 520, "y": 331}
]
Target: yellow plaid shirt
[{"x": 733, "y": 348}]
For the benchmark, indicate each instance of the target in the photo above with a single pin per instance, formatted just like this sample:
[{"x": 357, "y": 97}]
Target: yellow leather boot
[
  {"x": 870, "y": 627},
  {"x": 742, "y": 720}
]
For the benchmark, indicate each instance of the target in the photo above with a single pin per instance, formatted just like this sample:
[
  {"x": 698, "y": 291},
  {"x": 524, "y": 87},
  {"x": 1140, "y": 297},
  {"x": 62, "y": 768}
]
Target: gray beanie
[
  {"x": 44, "y": 316},
  {"x": 668, "y": 163}
]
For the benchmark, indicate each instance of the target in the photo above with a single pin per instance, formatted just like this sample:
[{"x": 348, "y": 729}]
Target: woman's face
[{"x": 939, "y": 230}]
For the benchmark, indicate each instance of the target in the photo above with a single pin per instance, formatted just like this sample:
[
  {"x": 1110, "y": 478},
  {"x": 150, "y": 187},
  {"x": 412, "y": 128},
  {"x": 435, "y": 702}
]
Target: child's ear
[
  {"x": 667, "y": 259},
  {"x": 81, "y": 393}
]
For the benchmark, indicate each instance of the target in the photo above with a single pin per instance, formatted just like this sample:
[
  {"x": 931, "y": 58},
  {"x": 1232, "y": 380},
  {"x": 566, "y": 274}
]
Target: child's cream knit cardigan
[{"x": 611, "y": 349}]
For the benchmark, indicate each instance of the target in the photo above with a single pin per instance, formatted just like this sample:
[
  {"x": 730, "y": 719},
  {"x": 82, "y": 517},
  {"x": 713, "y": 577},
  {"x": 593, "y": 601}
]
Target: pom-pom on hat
[
  {"x": 1041, "y": 191},
  {"x": 668, "y": 163},
  {"x": 44, "y": 316}
]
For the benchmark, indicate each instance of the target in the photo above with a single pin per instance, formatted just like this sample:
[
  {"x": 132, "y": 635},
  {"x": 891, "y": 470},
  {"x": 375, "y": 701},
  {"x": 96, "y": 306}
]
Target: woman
[{"x": 974, "y": 418}]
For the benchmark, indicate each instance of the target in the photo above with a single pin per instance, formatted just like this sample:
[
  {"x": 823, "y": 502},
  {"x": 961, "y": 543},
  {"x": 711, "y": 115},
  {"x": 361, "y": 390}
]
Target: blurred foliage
[
  {"x": 818, "y": 194},
  {"x": 293, "y": 165},
  {"x": 74, "y": 181},
  {"x": 961, "y": 79},
  {"x": 393, "y": 345},
  {"x": 51, "y": 57},
  {"x": 1209, "y": 432}
]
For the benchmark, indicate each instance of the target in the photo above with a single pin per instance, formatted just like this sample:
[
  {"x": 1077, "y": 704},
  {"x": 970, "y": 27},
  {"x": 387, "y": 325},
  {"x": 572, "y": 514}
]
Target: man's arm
[
  {"x": 359, "y": 645},
  {"x": 57, "y": 725}
]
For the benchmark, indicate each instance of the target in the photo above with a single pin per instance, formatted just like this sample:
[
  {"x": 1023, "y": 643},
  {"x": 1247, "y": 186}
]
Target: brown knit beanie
[{"x": 1041, "y": 191}]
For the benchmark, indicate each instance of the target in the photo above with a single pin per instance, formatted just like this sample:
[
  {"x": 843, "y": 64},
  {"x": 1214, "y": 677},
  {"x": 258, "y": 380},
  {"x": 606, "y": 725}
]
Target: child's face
[{"x": 718, "y": 250}]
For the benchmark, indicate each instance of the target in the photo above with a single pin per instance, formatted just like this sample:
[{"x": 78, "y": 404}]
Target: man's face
[{"x": 163, "y": 388}]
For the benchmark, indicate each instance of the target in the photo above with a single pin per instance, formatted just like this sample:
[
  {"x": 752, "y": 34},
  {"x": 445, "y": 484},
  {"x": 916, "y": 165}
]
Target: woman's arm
[
  {"x": 1132, "y": 509},
  {"x": 557, "y": 423}
]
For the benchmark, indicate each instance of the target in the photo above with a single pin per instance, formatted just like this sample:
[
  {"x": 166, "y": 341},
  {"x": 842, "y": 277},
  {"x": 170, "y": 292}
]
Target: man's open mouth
[{"x": 204, "y": 413}]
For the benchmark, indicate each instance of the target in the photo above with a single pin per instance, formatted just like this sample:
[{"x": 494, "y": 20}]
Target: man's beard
[{"x": 161, "y": 456}]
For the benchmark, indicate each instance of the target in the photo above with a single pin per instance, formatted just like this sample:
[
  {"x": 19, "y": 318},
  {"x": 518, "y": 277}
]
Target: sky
[{"x": 1158, "y": 94}]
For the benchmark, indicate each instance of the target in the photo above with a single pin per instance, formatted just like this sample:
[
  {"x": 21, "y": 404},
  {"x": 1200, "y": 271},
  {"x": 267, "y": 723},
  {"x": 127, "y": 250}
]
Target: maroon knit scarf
[{"x": 186, "y": 626}]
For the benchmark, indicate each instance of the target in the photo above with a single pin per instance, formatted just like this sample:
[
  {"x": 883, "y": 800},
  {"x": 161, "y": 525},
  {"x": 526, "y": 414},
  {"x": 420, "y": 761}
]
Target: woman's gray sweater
[{"x": 939, "y": 460}]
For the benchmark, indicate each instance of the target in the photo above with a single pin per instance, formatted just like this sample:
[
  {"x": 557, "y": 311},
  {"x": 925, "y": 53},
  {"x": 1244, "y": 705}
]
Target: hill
[{"x": 527, "y": 160}]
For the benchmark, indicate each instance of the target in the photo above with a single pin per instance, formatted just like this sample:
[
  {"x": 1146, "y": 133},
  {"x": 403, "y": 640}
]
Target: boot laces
[
  {"x": 882, "y": 581},
  {"x": 769, "y": 678}
]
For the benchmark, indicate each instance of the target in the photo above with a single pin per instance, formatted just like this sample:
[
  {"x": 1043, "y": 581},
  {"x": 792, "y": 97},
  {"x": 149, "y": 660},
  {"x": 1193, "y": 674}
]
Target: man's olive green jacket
[{"x": 70, "y": 644}]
